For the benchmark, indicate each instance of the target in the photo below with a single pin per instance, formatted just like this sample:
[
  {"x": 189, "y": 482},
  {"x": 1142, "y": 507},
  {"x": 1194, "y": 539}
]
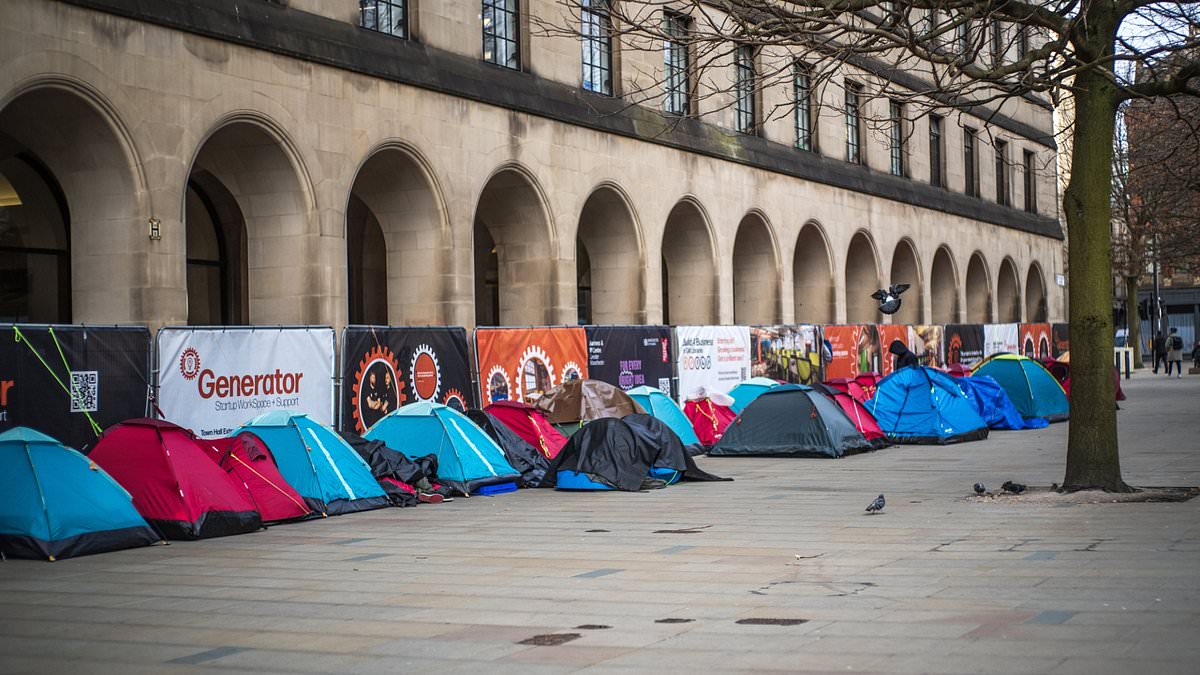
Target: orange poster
[
  {"x": 1035, "y": 340},
  {"x": 888, "y": 333},
  {"x": 520, "y": 364},
  {"x": 855, "y": 350}
]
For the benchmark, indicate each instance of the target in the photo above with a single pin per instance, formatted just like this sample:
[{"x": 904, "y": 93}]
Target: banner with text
[
  {"x": 211, "y": 380},
  {"x": 1060, "y": 339},
  {"x": 1001, "y": 338},
  {"x": 928, "y": 345},
  {"x": 631, "y": 356},
  {"x": 713, "y": 357},
  {"x": 1035, "y": 340},
  {"x": 520, "y": 364},
  {"x": 384, "y": 368},
  {"x": 964, "y": 344},
  {"x": 855, "y": 350},
  {"x": 53, "y": 381},
  {"x": 788, "y": 353}
]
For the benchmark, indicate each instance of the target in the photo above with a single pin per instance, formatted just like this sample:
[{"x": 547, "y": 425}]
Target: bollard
[{"x": 1127, "y": 362}]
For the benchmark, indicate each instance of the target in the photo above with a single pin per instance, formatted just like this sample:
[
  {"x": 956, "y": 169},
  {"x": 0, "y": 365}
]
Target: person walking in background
[
  {"x": 1158, "y": 349},
  {"x": 1175, "y": 352},
  {"x": 1196, "y": 355}
]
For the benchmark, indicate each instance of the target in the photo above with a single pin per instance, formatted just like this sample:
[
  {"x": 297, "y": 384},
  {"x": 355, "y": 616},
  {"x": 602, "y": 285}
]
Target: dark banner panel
[
  {"x": 385, "y": 368},
  {"x": 1060, "y": 339},
  {"x": 964, "y": 343},
  {"x": 631, "y": 356},
  {"x": 788, "y": 353},
  {"x": 54, "y": 380}
]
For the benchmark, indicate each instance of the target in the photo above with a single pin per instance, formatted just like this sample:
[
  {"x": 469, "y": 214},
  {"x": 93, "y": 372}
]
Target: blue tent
[
  {"x": 1031, "y": 388},
  {"x": 467, "y": 457},
  {"x": 56, "y": 503},
  {"x": 315, "y": 460},
  {"x": 994, "y": 406},
  {"x": 655, "y": 402},
  {"x": 748, "y": 390},
  {"x": 923, "y": 405}
]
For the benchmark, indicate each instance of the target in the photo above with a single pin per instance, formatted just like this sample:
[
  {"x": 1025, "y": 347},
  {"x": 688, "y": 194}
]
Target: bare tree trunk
[
  {"x": 1092, "y": 456},
  {"x": 1134, "y": 338}
]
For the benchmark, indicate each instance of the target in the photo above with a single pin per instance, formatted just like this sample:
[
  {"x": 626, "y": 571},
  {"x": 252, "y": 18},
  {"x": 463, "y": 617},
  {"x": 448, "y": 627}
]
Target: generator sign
[{"x": 214, "y": 380}]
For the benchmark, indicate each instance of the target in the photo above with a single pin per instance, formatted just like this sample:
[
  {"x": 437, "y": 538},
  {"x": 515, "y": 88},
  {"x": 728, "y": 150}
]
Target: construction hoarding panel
[
  {"x": 714, "y": 358},
  {"x": 964, "y": 344},
  {"x": 787, "y": 353},
  {"x": 1035, "y": 340},
  {"x": 855, "y": 350},
  {"x": 520, "y": 364},
  {"x": 1001, "y": 338},
  {"x": 631, "y": 356}
]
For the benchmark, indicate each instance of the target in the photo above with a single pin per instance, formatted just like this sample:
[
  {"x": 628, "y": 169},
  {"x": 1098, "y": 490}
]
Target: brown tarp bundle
[{"x": 585, "y": 400}]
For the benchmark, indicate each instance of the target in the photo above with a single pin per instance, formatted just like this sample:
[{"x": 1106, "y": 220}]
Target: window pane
[
  {"x": 745, "y": 80},
  {"x": 385, "y": 16},
  {"x": 803, "y": 104},
  {"x": 970, "y": 165},
  {"x": 896, "y": 137},
  {"x": 596, "y": 32},
  {"x": 675, "y": 66},
  {"x": 500, "y": 35},
  {"x": 853, "y": 145},
  {"x": 935, "y": 151}
]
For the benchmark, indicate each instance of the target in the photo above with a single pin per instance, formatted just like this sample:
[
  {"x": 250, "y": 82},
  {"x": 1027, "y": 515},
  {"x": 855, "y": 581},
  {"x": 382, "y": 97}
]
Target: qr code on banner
[
  {"x": 664, "y": 385},
  {"x": 85, "y": 391}
]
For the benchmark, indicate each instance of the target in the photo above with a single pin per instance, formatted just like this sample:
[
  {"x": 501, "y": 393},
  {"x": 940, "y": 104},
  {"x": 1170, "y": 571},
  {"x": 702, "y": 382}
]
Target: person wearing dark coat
[
  {"x": 1159, "y": 349},
  {"x": 903, "y": 357}
]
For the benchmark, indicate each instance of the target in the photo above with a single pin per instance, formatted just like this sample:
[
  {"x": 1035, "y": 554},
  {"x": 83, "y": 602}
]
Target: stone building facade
[{"x": 230, "y": 162}]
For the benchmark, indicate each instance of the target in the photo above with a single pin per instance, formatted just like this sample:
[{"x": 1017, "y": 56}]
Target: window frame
[
  {"x": 1022, "y": 41},
  {"x": 514, "y": 60},
  {"x": 897, "y": 143},
  {"x": 677, "y": 80},
  {"x": 937, "y": 151},
  {"x": 970, "y": 161},
  {"x": 852, "y": 105},
  {"x": 1030, "y": 181},
  {"x": 405, "y": 27},
  {"x": 808, "y": 140},
  {"x": 1003, "y": 187},
  {"x": 998, "y": 46},
  {"x": 601, "y": 43},
  {"x": 745, "y": 104}
]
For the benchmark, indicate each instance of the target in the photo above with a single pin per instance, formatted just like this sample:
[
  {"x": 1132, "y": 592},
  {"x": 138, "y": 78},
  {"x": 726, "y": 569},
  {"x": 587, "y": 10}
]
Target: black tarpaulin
[
  {"x": 523, "y": 457},
  {"x": 671, "y": 452},
  {"x": 609, "y": 452}
]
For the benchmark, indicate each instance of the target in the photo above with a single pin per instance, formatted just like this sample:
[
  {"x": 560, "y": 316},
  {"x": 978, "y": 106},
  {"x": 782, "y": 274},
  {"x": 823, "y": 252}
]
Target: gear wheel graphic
[
  {"x": 455, "y": 399},
  {"x": 497, "y": 379},
  {"x": 571, "y": 371},
  {"x": 378, "y": 357},
  {"x": 425, "y": 374},
  {"x": 533, "y": 381},
  {"x": 189, "y": 363}
]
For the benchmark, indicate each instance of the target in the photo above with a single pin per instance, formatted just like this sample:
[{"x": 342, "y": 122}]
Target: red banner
[
  {"x": 855, "y": 350},
  {"x": 888, "y": 333},
  {"x": 520, "y": 364},
  {"x": 1036, "y": 340}
]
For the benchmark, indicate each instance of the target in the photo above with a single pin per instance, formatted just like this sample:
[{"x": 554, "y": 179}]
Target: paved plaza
[{"x": 658, "y": 582}]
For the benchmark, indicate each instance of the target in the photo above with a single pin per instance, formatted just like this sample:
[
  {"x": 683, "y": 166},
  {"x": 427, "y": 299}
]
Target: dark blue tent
[
  {"x": 924, "y": 406},
  {"x": 56, "y": 503},
  {"x": 792, "y": 420},
  {"x": 994, "y": 406}
]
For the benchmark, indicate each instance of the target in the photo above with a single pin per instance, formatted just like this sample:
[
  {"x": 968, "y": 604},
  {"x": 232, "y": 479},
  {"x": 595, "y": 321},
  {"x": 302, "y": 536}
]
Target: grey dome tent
[{"x": 792, "y": 420}]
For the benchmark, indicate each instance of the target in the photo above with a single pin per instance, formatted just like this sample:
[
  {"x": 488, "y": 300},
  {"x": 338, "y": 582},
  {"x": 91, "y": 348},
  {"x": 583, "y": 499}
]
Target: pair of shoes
[
  {"x": 1179, "y": 376},
  {"x": 430, "y": 498}
]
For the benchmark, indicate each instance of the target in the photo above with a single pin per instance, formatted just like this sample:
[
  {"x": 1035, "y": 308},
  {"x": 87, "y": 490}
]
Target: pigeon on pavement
[
  {"x": 877, "y": 505},
  {"x": 889, "y": 298},
  {"x": 980, "y": 488},
  {"x": 1015, "y": 488}
]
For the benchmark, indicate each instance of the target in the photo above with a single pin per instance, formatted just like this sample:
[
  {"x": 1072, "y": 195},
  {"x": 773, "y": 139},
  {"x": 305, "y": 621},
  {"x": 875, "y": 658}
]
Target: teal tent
[
  {"x": 664, "y": 408},
  {"x": 748, "y": 390},
  {"x": 467, "y": 458},
  {"x": 318, "y": 463},
  {"x": 1031, "y": 388},
  {"x": 56, "y": 503}
]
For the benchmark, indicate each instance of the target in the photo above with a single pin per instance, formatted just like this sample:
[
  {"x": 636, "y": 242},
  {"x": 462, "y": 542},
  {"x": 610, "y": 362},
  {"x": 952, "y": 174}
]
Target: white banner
[
  {"x": 1001, "y": 337},
  {"x": 713, "y": 357},
  {"x": 212, "y": 380}
]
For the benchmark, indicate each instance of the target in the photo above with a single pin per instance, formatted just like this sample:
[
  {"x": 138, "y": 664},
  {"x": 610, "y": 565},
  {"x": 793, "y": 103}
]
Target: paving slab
[{"x": 939, "y": 583}]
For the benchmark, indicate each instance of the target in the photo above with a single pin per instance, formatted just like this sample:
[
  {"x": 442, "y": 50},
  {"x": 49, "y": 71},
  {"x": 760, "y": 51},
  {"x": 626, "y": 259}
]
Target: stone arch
[
  {"x": 1008, "y": 293},
  {"x": 1035, "y": 295},
  {"x": 755, "y": 272},
  {"x": 943, "y": 288},
  {"x": 906, "y": 269},
  {"x": 248, "y": 171},
  {"x": 862, "y": 279},
  {"x": 64, "y": 148},
  {"x": 396, "y": 233},
  {"x": 812, "y": 276},
  {"x": 979, "y": 290},
  {"x": 609, "y": 260},
  {"x": 689, "y": 267},
  {"x": 513, "y": 249}
]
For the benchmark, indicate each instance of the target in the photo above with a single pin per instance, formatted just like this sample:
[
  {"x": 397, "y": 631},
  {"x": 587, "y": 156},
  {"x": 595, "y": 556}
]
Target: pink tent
[
  {"x": 709, "y": 419},
  {"x": 849, "y": 386},
  {"x": 530, "y": 424}
]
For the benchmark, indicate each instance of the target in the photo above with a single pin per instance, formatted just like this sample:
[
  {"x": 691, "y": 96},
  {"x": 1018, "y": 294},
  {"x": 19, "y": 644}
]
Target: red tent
[
  {"x": 530, "y": 424},
  {"x": 708, "y": 419},
  {"x": 862, "y": 419},
  {"x": 174, "y": 484},
  {"x": 849, "y": 386},
  {"x": 248, "y": 461},
  {"x": 869, "y": 381},
  {"x": 958, "y": 370}
]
